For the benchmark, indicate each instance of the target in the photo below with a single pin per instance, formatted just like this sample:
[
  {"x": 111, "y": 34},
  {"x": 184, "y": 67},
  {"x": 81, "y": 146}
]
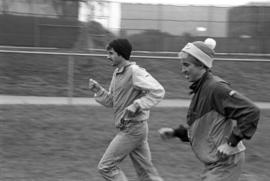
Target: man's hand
[
  {"x": 166, "y": 133},
  {"x": 130, "y": 111},
  {"x": 226, "y": 150},
  {"x": 94, "y": 86}
]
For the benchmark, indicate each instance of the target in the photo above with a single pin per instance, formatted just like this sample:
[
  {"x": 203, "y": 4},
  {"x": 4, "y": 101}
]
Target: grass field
[
  {"x": 65, "y": 143},
  {"x": 47, "y": 75}
]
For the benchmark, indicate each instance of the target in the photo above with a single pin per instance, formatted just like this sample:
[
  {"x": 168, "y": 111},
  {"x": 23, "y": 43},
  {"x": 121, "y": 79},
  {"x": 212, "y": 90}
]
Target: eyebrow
[{"x": 185, "y": 63}]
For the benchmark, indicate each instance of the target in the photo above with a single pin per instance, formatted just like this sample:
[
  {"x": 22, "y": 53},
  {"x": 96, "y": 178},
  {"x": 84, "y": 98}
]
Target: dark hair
[{"x": 121, "y": 47}]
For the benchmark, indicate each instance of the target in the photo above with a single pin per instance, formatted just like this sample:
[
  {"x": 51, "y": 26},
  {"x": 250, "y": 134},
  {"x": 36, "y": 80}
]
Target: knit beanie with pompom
[{"x": 201, "y": 50}]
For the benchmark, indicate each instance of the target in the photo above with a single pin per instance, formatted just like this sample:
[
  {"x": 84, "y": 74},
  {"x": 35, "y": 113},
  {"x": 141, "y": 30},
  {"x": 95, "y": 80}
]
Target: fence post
[
  {"x": 36, "y": 32},
  {"x": 160, "y": 25},
  {"x": 70, "y": 78}
]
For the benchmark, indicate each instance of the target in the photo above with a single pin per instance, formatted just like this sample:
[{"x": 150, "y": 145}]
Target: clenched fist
[
  {"x": 166, "y": 133},
  {"x": 94, "y": 86}
]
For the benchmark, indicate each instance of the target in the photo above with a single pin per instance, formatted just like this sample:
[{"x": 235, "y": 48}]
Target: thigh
[
  {"x": 137, "y": 132},
  {"x": 141, "y": 156},
  {"x": 118, "y": 149},
  {"x": 124, "y": 143}
]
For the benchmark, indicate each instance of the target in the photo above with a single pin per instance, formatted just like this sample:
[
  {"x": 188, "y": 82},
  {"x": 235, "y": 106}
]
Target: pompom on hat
[{"x": 201, "y": 50}]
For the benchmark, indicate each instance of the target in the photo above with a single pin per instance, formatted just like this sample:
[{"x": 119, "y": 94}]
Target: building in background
[
  {"x": 41, "y": 8},
  {"x": 249, "y": 21},
  {"x": 90, "y": 24},
  {"x": 108, "y": 14},
  {"x": 40, "y": 23},
  {"x": 175, "y": 20},
  {"x": 251, "y": 24},
  {"x": 130, "y": 18}
]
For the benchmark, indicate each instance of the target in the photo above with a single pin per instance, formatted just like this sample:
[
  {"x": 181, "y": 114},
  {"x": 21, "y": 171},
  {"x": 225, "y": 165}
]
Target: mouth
[
  {"x": 111, "y": 61},
  {"x": 186, "y": 76}
]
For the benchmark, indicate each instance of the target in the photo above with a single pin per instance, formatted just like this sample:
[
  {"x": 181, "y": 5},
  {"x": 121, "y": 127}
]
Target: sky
[{"x": 195, "y": 2}]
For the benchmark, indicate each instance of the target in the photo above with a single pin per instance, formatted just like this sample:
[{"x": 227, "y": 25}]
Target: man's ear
[
  {"x": 201, "y": 66},
  {"x": 119, "y": 55},
  {"x": 206, "y": 68}
]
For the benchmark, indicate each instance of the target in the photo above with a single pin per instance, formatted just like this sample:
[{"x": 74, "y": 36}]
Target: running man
[
  {"x": 133, "y": 91},
  {"x": 218, "y": 117}
]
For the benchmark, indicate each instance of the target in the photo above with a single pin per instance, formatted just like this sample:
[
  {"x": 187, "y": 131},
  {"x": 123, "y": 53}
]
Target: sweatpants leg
[
  {"x": 141, "y": 158},
  {"x": 122, "y": 145},
  {"x": 229, "y": 170}
]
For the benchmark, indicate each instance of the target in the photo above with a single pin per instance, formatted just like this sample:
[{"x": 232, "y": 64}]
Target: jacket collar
[
  {"x": 122, "y": 69},
  {"x": 197, "y": 84}
]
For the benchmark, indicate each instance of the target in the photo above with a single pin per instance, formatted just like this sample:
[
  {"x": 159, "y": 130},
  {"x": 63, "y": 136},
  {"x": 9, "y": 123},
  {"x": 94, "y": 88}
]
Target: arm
[
  {"x": 154, "y": 92},
  {"x": 235, "y": 106},
  {"x": 180, "y": 132},
  {"x": 105, "y": 97}
]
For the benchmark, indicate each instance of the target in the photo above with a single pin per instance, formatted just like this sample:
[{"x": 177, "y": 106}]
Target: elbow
[
  {"x": 163, "y": 93},
  {"x": 253, "y": 124},
  {"x": 256, "y": 113},
  {"x": 158, "y": 94},
  {"x": 257, "y": 110}
]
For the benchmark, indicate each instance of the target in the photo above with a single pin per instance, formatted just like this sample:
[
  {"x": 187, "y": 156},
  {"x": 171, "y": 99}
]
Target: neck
[
  {"x": 200, "y": 75},
  {"x": 123, "y": 63},
  {"x": 197, "y": 84}
]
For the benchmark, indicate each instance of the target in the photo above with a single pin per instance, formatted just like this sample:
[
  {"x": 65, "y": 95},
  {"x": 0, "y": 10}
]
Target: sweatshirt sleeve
[
  {"x": 234, "y": 105},
  {"x": 105, "y": 97},
  {"x": 154, "y": 92}
]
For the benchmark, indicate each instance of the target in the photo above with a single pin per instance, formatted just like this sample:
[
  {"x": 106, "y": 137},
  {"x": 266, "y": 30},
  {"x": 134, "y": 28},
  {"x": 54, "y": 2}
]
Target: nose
[
  {"x": 183, "y": 69},
  {"x": 109, "y": 58}
]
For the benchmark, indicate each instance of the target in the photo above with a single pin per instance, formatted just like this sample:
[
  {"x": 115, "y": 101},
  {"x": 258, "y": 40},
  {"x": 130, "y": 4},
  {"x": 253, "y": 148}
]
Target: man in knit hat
[
  {"x": 218, "y": 117},
  {"x": 133, "y": 91}
]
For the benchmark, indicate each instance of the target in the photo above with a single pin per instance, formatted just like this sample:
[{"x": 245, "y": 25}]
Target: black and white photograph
[{"x": 134, "y": 90}]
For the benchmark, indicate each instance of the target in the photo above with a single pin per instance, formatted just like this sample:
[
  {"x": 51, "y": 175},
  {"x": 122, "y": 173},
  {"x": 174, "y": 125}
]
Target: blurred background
[
  {"x": 90, "y": 24},
  {"x": 52, "y": 47}
]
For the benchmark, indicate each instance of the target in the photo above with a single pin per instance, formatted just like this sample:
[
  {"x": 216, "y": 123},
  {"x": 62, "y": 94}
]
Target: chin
[{"x": 113, "y": 64}]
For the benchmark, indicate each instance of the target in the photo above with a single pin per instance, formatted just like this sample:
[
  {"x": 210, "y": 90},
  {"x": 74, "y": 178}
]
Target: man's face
[
  {"x": 114, "y": 57},
  {"x": 191, "y": 71}
]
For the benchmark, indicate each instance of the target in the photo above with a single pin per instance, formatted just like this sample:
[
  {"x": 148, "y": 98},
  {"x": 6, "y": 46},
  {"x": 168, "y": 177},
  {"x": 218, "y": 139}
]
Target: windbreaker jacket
[
  {"x": 218, "y": 114},
  {"x": 131, "y": 85}
]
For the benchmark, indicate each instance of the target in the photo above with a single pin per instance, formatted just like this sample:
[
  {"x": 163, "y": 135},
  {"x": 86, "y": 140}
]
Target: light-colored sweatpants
[
  {"x": 227, "y": 170},
  {"x": 130, "y": 141}
]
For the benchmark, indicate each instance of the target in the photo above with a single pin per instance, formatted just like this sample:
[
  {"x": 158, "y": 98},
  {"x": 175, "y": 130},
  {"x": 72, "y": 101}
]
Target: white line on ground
[{"x": 36, "y": 100}]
